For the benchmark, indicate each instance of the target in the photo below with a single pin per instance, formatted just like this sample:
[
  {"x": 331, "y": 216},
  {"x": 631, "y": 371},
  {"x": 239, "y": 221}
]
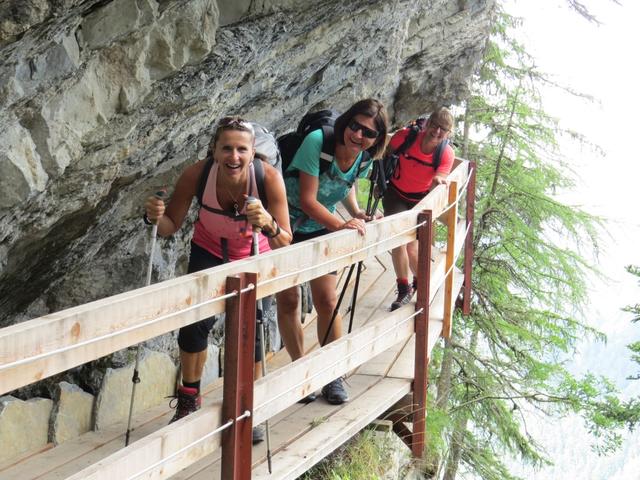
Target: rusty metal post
[
  {"x": 239, "y": 342},
  {"x": 468, "y": 241},
  {"x": 421, "y": 364}
]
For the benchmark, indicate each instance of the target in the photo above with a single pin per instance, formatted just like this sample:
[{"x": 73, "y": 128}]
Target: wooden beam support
[
  {"x": 421, "y": 360},
  {"x": 239, "y": 348},
  {"x": 452, "y": 216},
  {"x": 468, "y": 242}
]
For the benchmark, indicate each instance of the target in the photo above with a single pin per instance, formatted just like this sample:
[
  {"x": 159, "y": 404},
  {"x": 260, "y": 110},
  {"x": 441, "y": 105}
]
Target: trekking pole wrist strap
[{"x": 274, "y": 229}]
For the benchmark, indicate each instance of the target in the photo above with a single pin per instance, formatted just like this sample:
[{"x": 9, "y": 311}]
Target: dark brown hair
[{"x": 372, "y": 108}]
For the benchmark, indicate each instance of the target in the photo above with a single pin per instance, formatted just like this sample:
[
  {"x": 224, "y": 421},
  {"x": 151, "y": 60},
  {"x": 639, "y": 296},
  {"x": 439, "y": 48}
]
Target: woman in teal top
[{"x": 359, "y": 135}]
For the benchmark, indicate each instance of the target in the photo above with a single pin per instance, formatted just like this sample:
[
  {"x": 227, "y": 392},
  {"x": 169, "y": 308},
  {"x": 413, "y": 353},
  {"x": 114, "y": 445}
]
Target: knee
[
  {"x": 325, "y": 301},
  {"x": 412, "y": 248},
  {"x": 287, "y": 300}
]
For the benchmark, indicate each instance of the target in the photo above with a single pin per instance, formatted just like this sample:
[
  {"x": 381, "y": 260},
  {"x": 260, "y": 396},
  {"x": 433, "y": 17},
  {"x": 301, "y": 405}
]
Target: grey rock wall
[{"x": 102, "y": 101}]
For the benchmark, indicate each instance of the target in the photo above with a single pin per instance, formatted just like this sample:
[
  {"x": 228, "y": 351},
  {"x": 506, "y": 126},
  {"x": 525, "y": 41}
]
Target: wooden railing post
[
  {"x": 421, "y": 361},
  {"x": 239, "y": 345},
  {"x": 468, "y": 241},
  {"x": 452, "y": 218}
]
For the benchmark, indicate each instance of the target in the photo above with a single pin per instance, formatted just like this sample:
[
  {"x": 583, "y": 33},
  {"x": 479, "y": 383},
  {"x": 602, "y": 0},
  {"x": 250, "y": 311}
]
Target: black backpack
[
  {"x": 266, "y": 147},
  {"x": 290, "y": 142},
  {"x": 388, "y": 167}
]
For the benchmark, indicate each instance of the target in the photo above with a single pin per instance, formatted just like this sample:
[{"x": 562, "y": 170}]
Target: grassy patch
[{"x": 362, "y": 458}]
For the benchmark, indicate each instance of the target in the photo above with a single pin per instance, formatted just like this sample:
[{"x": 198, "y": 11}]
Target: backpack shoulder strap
[
  {"x": 258, "y": 170},
  {"x": 365, "y": 160},
  {"x": 437, "y": 155},
  {"x": 328, "y": 148},
  {"x": 409, "y": 140},
  {"x": 203, "y": 178}
]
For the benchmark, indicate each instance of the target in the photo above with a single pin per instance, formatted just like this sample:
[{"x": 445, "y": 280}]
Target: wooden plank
[
  {"x": 285, "y": 386},
  {"x": 286, "y": 428},
  {"x": 403, "y": 366},
  {"x": 381, "y": 364},
  {"x": 452, "y": 216},
  {"x": 468, "y": 245},
  {"x": 373, "y": 274},
  {"x": 325, "y": 438},
  {"x": 167, "y": 443}
]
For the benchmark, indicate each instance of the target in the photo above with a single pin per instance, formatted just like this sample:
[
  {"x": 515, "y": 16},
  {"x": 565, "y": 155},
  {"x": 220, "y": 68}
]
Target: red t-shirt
[{"x": 414, "y": 176}]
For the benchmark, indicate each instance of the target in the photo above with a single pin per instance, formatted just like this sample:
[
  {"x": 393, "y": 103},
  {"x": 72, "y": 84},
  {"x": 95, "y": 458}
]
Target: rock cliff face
[{"x": 104, "y": 100}]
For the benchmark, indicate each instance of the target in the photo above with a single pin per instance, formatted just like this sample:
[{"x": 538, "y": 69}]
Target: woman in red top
[{"x": 414, "y": 177}]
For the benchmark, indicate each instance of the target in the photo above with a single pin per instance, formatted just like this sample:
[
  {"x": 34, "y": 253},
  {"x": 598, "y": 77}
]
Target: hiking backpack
[
  {"x": 290, "y": 142},
  {"x": 388, "y": 167},
  {"x": 266, "y": 150}
]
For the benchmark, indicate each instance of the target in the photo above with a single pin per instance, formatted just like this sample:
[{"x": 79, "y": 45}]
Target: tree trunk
[
  {"x": 456, "y": 442},
  {"x": 433, "y": 460}
]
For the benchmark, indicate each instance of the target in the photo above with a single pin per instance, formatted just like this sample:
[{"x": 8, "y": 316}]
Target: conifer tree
[{"x": 529, "y": 274}]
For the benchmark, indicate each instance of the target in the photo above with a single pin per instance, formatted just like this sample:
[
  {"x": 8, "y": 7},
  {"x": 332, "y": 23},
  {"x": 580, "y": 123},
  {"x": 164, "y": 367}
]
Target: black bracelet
[
  {"x": 146, "y": 220},
  {"x": 276, "y": 228}
]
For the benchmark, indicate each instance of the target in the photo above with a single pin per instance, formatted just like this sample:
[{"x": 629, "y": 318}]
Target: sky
[{"x": 600, "y": 60}]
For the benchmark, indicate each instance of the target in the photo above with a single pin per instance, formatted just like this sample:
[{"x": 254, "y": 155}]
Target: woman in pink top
[{"x": 223, "y": 231}]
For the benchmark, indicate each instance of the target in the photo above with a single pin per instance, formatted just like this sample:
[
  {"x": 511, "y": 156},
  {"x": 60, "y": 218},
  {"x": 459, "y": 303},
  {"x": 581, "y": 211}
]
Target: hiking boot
[
  {"x": 309, "y": 398},
  {"x": 187, "y": 401},
  {"x": 257, "y": 434},
  {"x": 335, "y": 392},
  {"x": 405, "y": 292}
]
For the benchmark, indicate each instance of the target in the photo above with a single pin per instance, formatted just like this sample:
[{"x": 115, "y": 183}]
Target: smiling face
[
  {"x": 359, "y": 132},
  {"x": 436, "y": 132},
  {"x": 234, "y": 151}
]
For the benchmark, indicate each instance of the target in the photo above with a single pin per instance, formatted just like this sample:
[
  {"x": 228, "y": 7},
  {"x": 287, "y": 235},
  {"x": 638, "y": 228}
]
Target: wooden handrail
[{"x": 39, "y": 348}]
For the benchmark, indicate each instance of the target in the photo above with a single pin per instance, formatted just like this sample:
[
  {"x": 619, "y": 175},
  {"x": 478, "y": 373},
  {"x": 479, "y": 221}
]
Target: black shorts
[
  {"x": 193, "y": 338},
  {"x": 301, "y": 237},
  {"x": 394, "y": 203}
]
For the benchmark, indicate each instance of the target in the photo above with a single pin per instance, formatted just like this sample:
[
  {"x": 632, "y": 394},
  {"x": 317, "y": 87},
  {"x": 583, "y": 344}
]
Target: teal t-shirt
[{"x": 333, "y": 185}]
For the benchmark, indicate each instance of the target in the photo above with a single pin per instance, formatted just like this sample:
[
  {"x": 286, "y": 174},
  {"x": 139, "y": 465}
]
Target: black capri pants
[{"x": 193, "y": 338}]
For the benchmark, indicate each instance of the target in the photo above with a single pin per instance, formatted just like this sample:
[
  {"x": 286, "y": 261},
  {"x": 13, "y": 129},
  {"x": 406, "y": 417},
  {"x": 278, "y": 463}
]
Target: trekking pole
[
  {"x": 335, "y": 310},
  {"x": 354, "y": 296},
  {"x": 255, "y": 252},
  {"x": 346, "y": 283},
  {"x": 135, "y": 380}
]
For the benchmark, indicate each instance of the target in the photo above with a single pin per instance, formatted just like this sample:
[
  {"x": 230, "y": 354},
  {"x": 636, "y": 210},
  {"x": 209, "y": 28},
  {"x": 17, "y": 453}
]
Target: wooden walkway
[
  {"x": 299, "y": 434},
  {"x": 377, "y": 358}
]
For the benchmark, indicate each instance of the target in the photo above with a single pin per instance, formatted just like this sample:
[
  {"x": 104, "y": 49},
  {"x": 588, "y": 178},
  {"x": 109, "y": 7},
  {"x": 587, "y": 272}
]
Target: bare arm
[
  {"x": 318, "y": 212},
  {"x": 278, "y": 210},
  {"x": 351, "y": 204}
]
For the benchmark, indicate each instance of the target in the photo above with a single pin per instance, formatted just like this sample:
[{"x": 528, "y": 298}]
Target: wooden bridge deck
[
  {"x": 377, "y": 357},
  {"x": 301, "y": 435}
]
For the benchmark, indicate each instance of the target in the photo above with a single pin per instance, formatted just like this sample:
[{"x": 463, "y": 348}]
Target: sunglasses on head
[
  {"x": 366, "y": 131},
  {"x": 231, "y": 123}
]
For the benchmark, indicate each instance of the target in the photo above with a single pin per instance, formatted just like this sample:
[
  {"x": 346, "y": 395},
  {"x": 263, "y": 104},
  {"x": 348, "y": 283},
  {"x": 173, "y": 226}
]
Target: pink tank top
[{"x": 215, "y": 226}]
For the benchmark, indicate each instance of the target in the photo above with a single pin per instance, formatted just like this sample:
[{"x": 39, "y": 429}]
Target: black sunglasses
[{"x": 366, "y": 131}]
